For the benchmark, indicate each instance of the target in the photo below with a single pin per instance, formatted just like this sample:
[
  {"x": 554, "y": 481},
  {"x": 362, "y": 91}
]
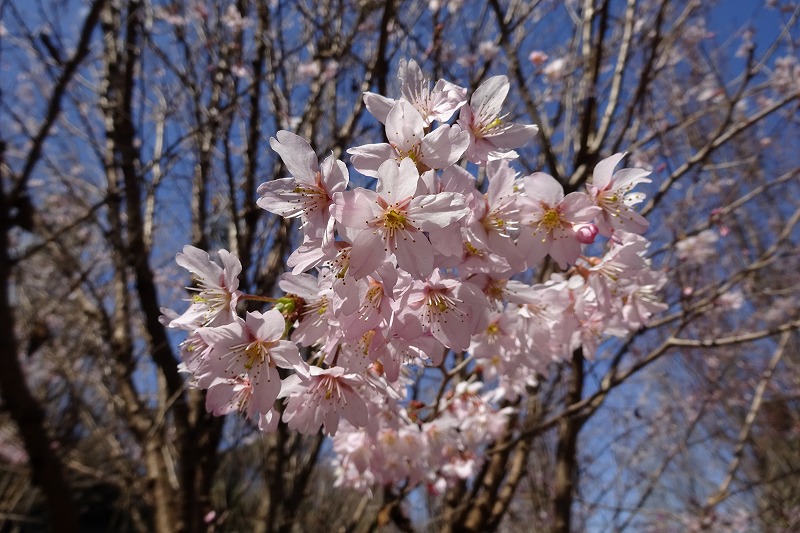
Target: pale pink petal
[
  {"x": 398, "y": 183},
  {"x": 198, "y": 262},
  {"x": 368, "y": 253},
  {"x": 355, "y": 411},
  {"x": 355, "y": 209},
  {"x": 228, "y": 334},
  {"x": 630, "y": 220},
  {"x": 308, "y": 255},
  {"x": 268, "y": 422},
  {"x": 475, "y": 300},
  {"x": 294, "y": 384},
  {"x": 297, "y": 155},
  {"x": 444, "y": 146},
  {"x": 447, "y": 99},
  {"x": 220, "y": 396},
  {"x": 457, "y": 179},
  {"x": 428, "y": 182},
  {"x": 334, "y": 175},
  {"x": 533, "y": 246},
  {"x": 578, "y": 208},
  {"x": 279, "y": 197},
  {"x": 231, "y": 268},
  {"x": 269, "y": 326},
  {"x": 487, "y": 100},
  {"x": 475, "y": 233},
  {"x": 409, "y": 73},
  {"x": 452, "y": 330},
  {"x": 542, "y": 187},
  {"x": 265, "y": 391},
  {"x": 634, "y": 197},
  {"x": 447, "y": 241},
  {"x": 565, "y": 249},
  {"x": 305, "y": 286},
  {"x": 629, "y": 177},
  {"x": 504, "y": 246},
  {"x": 368, "y": 158},
  {"x": 466, "y": 118},
  {"x": 512, "y": 136},
  {"x": 501, "y": 181},
  {"x": 378, "y": 105},
  {"x": 404, "y": 126},
  {"x": 604, "y": 170},
  {"x": 435, "y": 211},
  {"x": 330, "y": 421},
  {"x": 286, "y": 355},
  {"x": 414, "y": 255},
  {"x": 495, "y": 155}
]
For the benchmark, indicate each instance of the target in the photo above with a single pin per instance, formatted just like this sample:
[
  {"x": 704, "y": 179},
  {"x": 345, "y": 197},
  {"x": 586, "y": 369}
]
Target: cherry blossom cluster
[{"x": 426, "y": 273}]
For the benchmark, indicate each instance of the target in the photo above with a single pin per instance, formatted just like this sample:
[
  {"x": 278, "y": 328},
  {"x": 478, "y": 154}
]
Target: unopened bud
[
  {"x": 585, "y": 233},
  {"x": 538, "y": 58}
]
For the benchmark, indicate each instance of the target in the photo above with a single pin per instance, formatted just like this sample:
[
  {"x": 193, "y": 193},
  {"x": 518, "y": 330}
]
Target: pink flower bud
[
  {"x": 585, "y": 233},
  {"x": 537, "y": 57}
]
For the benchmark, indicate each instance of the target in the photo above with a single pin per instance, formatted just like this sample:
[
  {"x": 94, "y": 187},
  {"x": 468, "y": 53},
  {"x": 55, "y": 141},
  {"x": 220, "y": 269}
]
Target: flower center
[
  {"x": 551, "y": 219},
  {"x": 473, "y": 251},
  {"x": 394, "y": 220},
  {"x": 375, "y": 293},
  {"x": 487, "y": 128},
  {"x": 256, "y": 353}
]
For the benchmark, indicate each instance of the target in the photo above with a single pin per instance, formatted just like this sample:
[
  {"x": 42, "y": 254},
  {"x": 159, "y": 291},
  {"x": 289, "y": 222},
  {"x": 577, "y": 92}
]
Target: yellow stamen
[
  {"x": 551, "y": 219},
  {"x": 394, "y": 219}
]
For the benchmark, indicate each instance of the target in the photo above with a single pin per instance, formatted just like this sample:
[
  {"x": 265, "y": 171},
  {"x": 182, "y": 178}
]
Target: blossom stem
[{"x": 258, "y": 298}]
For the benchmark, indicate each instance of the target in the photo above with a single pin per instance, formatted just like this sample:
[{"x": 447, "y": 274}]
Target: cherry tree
[{"x": 450, "y": 265}]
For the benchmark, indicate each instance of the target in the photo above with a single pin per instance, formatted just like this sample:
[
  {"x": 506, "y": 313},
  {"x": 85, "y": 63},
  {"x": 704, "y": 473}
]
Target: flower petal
[
  {"x": 444, "y": 146},
  {"x": 414, "y": 255},
  {"x": 368, "y": 253},
  {"x": 544, "y": 188},
  {"x": 378, "y": 105},
  {"x": 487, "y": 100},
  {"x": 603, "y": 171},
  {"x": 297, "y": 155}
]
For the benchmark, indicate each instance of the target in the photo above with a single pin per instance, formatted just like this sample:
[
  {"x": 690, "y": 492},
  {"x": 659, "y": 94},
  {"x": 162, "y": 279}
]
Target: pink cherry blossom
[
  {"x": 321, "y": 399},
  {"x": 497, "y": 348},
  {"x": 450, "y": 309},
  {"x": 437, "y": 104},
  {"x": 374, "y": 308},
  {"x": 405, "y": 129},
  {"x": 253, "y": 347},
  {"x": 549, "y": 219},
  {"x": 555, "y": 70},
  {"x": 216, "y": 292},
  {"x": 641, "y": 298},
  {"x": 392, "y": 219},
  {"x": 497, "y": 220},
  {"x": 699, "y": 248},
  {"x": 308, "y": 193},
  {"x": 228, "y": 395},
  {"x": 490, "y": 137},
  {"x": 611, "y": 192}
]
